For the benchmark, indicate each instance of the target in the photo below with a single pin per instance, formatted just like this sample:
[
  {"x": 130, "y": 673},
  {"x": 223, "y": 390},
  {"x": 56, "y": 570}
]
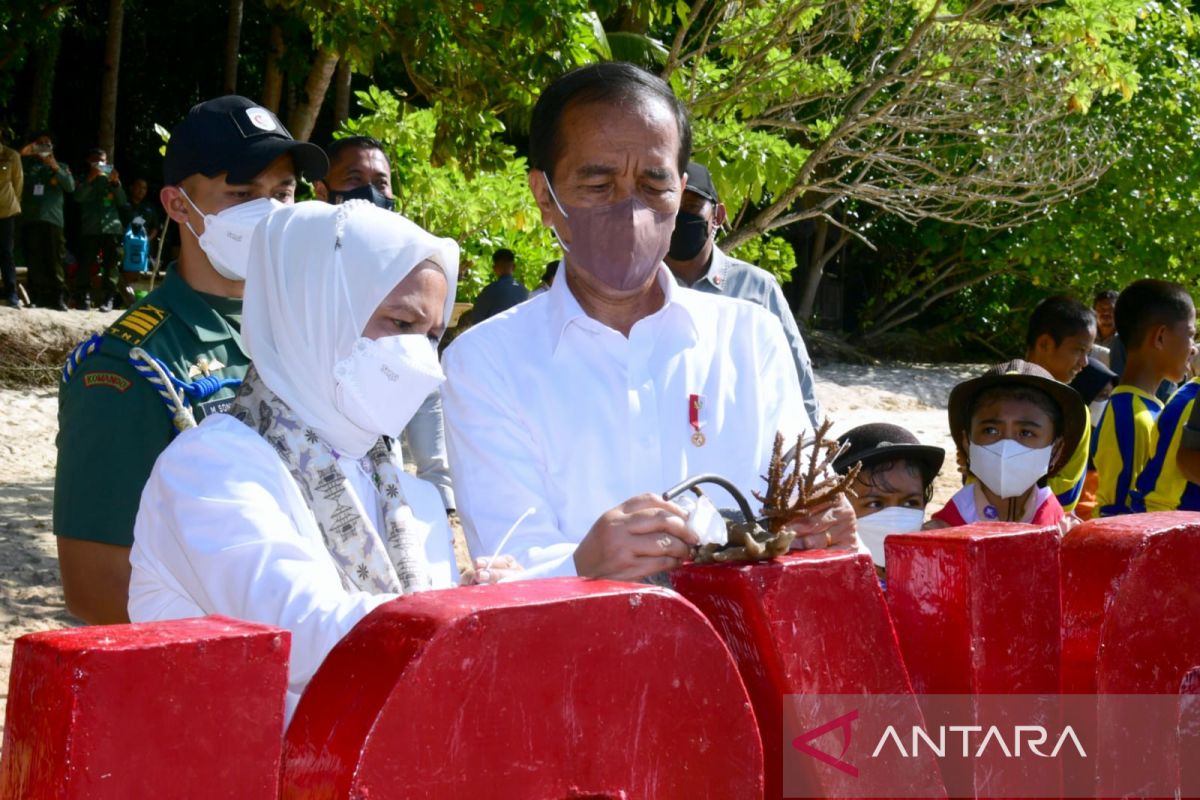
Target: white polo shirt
[{"x": 546, "y": 408}]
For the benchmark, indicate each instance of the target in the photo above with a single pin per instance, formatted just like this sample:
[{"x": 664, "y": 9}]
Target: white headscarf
[{"x": 317, "y": 273}]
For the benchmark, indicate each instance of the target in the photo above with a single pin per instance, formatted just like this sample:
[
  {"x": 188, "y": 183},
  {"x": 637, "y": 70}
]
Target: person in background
[
  {"x": 227, "y": 165},
  {"x": 101, "y": 198},
  {"x": 1156, "y": 321},
  {"x": 1059, "y": 337},
  {"x": 1104, "y": 304},
  {"x": 359, "y": 170},
  {"x": 12, "y": 181},
  {"x": 47, "y": 182},
  {"x": 1094, "y": 383},
  {"x": 1012, "y": 426},
  {"x": 894, "y": 482},
  {"x": 141, "y": 204},
  {"x": 547, "y": 278},
  {"x": 570, "y": 415},
  {"x": 699, "y": 264},
  {"x": 502, "y": 293}
]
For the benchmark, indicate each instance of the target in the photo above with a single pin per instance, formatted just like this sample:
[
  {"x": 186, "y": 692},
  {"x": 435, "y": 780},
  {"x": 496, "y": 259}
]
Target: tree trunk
[
  {"x": 341, "y": 94},
  {"x": 303, "y": 116},
  {"x": 112, "y": 71},
  {"x": 813, "y": 270},
  {"x": 45, "y": 60},
  {"x": 233, "y": 38},
  {"x": 272, "y": 91}
]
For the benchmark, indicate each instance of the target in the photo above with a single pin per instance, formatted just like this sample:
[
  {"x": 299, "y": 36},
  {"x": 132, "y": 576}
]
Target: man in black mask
[
  {"x": 358, "y": 170},
  {"x": 697, "y": 262}
]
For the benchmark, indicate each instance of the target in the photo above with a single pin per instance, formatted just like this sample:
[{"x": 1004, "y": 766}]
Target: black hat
[
  {"x": 1092, "y": 379},
  {"x": 880, "y": 442},
  {"x": 700, "y": 181},
  {"x": 1021, "y": 373},
  {"x": 235, "y": 135}
]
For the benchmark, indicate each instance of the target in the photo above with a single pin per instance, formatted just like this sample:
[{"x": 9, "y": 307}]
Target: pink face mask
[{"x": 620, "y": 244}]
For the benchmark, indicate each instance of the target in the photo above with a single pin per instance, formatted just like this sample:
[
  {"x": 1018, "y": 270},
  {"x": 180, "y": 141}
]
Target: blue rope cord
[
  {"x": 81, "y": 351},
  {"x": 200, "y": 389}
]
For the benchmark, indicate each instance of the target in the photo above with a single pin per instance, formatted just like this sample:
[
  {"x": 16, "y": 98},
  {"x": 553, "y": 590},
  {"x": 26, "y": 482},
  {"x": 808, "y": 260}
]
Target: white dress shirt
[
  {"x": 224, "y": 529},
  {"x": 547, "y": 408}
]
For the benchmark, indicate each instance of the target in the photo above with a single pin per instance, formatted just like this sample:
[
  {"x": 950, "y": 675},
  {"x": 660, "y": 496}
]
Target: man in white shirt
[{"x": 584, "y": 404}]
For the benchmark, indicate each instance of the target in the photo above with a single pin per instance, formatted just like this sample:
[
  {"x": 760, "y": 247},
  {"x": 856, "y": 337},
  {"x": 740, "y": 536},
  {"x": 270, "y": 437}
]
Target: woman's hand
[{"x": 501, "y": 568}]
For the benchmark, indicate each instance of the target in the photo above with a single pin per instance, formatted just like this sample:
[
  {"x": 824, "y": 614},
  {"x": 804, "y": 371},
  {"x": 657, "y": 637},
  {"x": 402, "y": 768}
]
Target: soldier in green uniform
[
  {"x": 176, "y": 355},
  {"x": 100, "y": 198},
  {"x": 46, "y": 182}
]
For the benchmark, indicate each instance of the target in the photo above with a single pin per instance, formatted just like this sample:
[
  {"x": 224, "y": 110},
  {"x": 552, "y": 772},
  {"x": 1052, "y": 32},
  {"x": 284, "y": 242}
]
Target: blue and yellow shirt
[
  {"x": 1161, "y": 486},
  {"x": 1125, "y": 441}
]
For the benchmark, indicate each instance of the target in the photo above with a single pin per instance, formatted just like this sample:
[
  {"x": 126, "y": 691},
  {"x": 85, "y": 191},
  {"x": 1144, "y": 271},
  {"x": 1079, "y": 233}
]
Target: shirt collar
[
  {"x": 213, "y": 318},
  {"x": 718, "y": 265},
  {"x": 565, "y": 310}
]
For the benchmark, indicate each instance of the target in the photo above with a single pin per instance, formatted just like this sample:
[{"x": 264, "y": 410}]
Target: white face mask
[
  {"x": 383, "y": 382},
  {"x": 874, "y": 528},
  {"x": 1007, "y": 467},
  {"x": 226, "y": 238},
  {"x": 1096, "y": 409}
]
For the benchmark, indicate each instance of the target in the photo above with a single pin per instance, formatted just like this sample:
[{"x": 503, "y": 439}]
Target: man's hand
[
  {"x": 831, "y": 525},
  {"x": 640, "y": 537}
]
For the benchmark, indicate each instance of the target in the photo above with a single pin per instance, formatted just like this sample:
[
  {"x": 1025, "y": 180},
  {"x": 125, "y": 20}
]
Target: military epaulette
[{"x": 138, "y": 323}]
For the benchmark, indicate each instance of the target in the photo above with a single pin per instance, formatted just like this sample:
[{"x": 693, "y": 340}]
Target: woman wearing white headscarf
[{"x": 293, "y": 508}]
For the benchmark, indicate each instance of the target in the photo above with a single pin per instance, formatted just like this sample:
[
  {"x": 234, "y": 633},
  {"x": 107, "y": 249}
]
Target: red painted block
[
  {"x": 182, "y": 709},
  {"x": 536, "y": 689},
  {"x": 1149, "y": 644},
  {"x": 808, "y": 624},
  {"x": 1096, "y": 557},
  {"x": 977, "y": 609},
  {"x": 977, "y": 612}
]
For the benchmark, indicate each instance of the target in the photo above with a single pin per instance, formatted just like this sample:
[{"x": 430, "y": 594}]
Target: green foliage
[
  {"x": 483, "y": 210},
  {"x": 772, "y": 253}
]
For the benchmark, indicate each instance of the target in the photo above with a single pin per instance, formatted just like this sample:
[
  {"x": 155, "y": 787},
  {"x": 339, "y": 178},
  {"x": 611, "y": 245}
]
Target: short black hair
[
  {"x": 503, "y": 255},
  {"x": 39, "y": 133},
  {"x": 1059, "y": 317},
  {"x": 1107, "y": 294},
  {"x": 336, "y": 147},
  {"x": 97, "y": 151},
  {"x": 873, "y": 475},
  {"x": 609, "y": 82},
  {"x": 1148, "y": 303},
  {"x": 550, "y": 271},
  {"x": 1015, "y": 392}
]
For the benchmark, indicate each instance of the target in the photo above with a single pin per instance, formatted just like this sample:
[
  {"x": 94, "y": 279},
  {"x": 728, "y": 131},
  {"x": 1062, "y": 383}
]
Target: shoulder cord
[
  {"x": 175, "y": 393},
  {"x": 81, "y": 351}
]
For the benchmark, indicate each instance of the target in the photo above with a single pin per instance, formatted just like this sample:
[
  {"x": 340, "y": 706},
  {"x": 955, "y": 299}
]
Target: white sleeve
[
  {"x": 497, "y": 472},
  {"x": 217, "y": 522}
]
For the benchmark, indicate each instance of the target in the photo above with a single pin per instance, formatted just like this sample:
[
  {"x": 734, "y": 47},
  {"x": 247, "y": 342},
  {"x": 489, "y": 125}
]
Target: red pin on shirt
[{"x": 695, "y": 403}]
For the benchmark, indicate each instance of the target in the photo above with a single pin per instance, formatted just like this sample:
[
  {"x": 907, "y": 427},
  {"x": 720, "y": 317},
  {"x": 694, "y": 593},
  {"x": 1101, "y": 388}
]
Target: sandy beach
[{"x": 912, "y": 395}]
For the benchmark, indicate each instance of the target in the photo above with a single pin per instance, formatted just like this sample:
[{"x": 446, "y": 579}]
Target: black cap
[
  {"x": 700, "y": 181},
  {"x": 1092, "y": 379},
  {"x": 235, "y": 135},
  {"x": 880, "y": 442},
  {"x": 1021, "y": 373}
]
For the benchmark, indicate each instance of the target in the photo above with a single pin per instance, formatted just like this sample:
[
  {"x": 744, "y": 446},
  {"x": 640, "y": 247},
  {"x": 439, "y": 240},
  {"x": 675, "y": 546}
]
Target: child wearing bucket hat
[
  {"x": 1011, "y": 425},
  {"x": 894, "y": 483}
]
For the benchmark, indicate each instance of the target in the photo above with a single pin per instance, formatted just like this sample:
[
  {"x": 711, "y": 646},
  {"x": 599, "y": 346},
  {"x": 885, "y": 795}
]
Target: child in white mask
[
  {"x": 1010, "y": 424},
  {"x": 894, "y": 483}
]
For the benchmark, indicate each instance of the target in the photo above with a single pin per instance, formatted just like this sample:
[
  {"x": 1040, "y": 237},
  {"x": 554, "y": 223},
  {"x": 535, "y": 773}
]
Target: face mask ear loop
[
  {"x": 188, "y": 222},
  {"x": 554, "y": 197}
]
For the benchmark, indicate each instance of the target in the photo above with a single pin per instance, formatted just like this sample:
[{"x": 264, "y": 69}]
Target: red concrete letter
[
  {"x": 539, "y": 689},
  {"x": 182, "y": 709}
]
